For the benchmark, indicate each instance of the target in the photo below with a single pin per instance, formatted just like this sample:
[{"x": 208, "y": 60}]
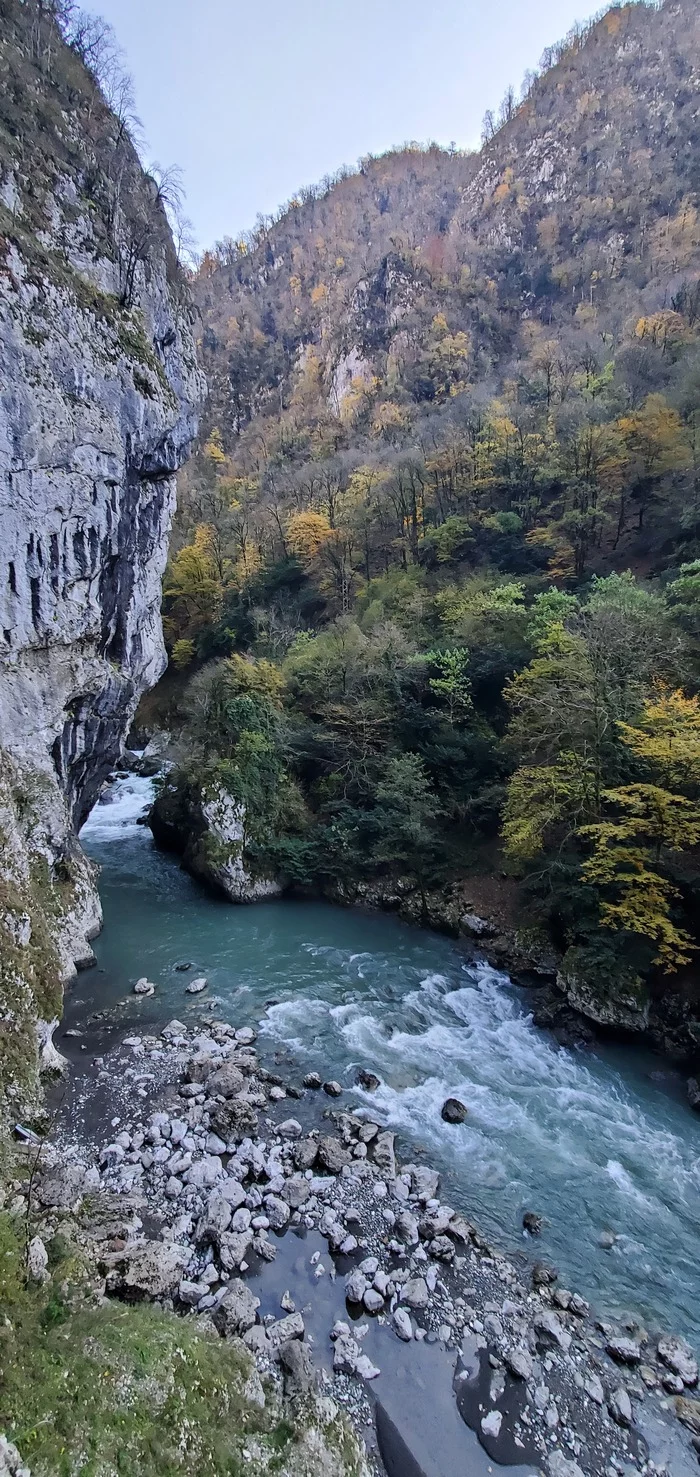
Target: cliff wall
[{"x": 99, "y": 390}]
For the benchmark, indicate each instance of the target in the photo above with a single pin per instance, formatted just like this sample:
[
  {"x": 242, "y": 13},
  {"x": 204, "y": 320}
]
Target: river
[{"x": 594, "y": 1141}]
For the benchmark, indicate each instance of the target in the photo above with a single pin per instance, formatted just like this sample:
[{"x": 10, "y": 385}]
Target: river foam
[{"x": 593, "y": 1141}]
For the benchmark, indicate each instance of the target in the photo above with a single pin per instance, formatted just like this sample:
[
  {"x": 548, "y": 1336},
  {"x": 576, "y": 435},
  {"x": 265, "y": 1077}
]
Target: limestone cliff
[{"x": 99, "y": 389}]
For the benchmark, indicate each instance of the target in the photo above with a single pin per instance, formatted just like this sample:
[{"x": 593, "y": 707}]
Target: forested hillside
[{"x": 434, "y": 596}]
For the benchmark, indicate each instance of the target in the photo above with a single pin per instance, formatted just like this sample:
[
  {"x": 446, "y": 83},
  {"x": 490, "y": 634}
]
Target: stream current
[{"x": 594, "y": 1141}]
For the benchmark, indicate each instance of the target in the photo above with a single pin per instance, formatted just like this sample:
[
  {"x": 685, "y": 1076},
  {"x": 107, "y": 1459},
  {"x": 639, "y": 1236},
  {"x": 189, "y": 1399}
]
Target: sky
[{"x": 255, "y": 100}]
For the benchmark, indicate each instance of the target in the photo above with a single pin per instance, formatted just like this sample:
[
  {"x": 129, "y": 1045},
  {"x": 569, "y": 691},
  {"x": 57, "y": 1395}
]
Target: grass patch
[{"x": 109, "y": 1389}]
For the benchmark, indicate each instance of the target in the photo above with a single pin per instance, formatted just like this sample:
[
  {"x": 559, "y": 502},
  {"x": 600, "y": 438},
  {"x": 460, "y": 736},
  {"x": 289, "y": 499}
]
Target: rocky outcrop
[
  {"x": 206, "y": 827},
  {"x": 98, "y": 393}
]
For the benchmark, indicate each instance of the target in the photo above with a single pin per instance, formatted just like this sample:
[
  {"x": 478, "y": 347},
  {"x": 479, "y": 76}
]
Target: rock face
[
  {"x": 207, "y": 827},
  {"x": 99, "y": 391}
]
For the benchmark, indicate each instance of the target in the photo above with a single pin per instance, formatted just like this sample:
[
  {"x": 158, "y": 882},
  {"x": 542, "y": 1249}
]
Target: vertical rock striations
[{"x": 99, "y": 389}]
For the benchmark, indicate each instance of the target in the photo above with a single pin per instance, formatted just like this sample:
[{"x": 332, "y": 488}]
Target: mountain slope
[{"x": 449, "y": 497}]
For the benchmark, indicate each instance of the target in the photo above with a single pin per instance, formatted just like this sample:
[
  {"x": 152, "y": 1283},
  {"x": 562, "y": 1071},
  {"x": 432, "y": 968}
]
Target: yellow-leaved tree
[{"x": 652, "y": 823}]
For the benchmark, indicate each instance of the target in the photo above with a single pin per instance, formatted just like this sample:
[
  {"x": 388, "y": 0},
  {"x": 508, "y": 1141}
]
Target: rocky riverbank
[{"x": 276, "y": 1217}]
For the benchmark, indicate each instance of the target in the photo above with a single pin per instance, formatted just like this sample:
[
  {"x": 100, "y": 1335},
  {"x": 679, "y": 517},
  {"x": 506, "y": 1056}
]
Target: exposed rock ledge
[{"x": 206, "y": 827}]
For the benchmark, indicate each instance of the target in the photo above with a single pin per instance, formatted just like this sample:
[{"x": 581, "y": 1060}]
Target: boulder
[
  {"x": 195, "y": 987},
  {"x": 153, "y": 1269},
  {"x": 424, "y": 1181},
  {"x": 678, "y": 1356},
  {"x": 331, "y": 1154},
  {"x": 368, "y": 1081},
  {"x": 402, "y": 1325},
  {"x": 453, "y": 1111},
  {"x": 233, "y": 1249},
  {"x": 236, "y": 1312},
  {"x": 234, "y": 1119},
  {"x": 624, "y": 1350},
  {"x": 225, "y": 1081},
  {"x": 415, "y": 1293},
  {"x": 550, "y": 1332},
  {"x": 620, "y": 1407},
  {"x": 216, "y": 1219},
  {"x": 291, "y": 1327},
  {"x": 206, "y": 826},
  {"x": 384, "y": 1155},
  {"x": 299, "y": 1373},
  {"x": 694, "y": 1093}
]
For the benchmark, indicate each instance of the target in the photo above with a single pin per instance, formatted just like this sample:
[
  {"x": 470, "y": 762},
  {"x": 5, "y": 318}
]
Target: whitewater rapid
[{"x": 596, "y": 1142}]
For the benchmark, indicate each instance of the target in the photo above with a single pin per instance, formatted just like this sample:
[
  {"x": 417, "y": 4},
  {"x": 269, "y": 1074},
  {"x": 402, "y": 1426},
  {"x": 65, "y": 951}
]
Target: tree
[
  {"x": 404, "y": 817},
  {"x": 452, "y": 682},
  {"x": 626, "y": 861}
]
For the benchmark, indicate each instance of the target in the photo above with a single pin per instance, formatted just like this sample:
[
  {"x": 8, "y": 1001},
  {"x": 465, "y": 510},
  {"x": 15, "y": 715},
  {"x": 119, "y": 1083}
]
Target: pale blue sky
[{"x": 255, "y": 100}]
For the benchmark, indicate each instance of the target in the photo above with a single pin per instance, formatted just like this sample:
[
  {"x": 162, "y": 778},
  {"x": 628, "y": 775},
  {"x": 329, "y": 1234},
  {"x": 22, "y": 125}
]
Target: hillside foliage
[{"x": 449, "y": 492}]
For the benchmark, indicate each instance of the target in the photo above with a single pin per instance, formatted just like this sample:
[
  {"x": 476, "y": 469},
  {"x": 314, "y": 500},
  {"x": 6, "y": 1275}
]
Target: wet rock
[
  {"x": 519, "y": 1362},
  {"x": 245, "y": 1036},
  {"x": 543, "y": 1275},
  {"x": 593, "y": 1388},
  {"x": 333, "y": 1089},
  {"x": 313, "y": 1081},
  {"x": 620, "y": 1407},
  {"x": 453, "y": 1111},
  {"x": 195, "y": 987},
  {"x": 694, "y": 1093},
  {"x": 277, "y": 1212},
  {"x": 225, "y": 1081},
  {"x": 416, "y": 1293},
  {"x": 144, "y": 987},
  {"x": 296, "y": 1191},
  {"x": 678, "y": 1356},
  {"x": 532, "y": 1223},
  {"x": 236, "y": 1312},
  {"x": 491, "y": 1423},
  {"x": 624, "y": 1350},
  {"x": 355, "y": 1286},
  {"x": 304, "y": 1153},
  {"x": 368, "y": 1132},
  {"x": 402, "y": 1325},
  {"x": 424, "y": 1181},
  {"x": 550, "y": 1332},
  {"x": 184, "y": 966},
  {"x": 290, "y": 1129},
  {"x": 368, "y": 1080},
  {"x": 384, "y": 1155},
  {"x": 346, "y": 1353},
  {"x": 331, "y": 1154},
  {"x": 688, "y": 1411},
  {"x": 37, "y": 1260},
  {"x": 606, "y": 1240}
]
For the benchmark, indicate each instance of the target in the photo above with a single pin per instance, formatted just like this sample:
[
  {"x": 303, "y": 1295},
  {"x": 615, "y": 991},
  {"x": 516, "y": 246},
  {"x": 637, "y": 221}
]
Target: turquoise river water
[{"x": 594, "y": 1141}]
